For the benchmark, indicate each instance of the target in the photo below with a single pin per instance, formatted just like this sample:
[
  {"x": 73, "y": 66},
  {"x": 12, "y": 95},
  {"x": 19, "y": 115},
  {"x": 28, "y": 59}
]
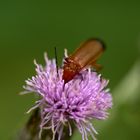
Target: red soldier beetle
[{"x": 85, "y": 56}]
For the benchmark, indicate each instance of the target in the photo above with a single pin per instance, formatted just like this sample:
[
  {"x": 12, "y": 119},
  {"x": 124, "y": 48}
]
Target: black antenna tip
[{"x": 56, "y": 59}]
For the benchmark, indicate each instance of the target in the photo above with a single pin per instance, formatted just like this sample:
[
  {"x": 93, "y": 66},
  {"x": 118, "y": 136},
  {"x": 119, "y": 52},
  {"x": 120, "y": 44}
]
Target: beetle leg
[{"x": 98, "y": 67}]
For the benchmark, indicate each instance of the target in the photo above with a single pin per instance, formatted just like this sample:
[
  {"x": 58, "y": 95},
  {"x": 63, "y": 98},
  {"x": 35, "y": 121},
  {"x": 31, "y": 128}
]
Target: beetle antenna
[
  {"x": 56, "y": 59},
  {"x": 64, "y": 86}
]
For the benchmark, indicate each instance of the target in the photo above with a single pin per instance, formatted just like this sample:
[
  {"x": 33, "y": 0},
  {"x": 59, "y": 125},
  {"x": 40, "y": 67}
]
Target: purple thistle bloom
[{"x": 84, "y": 98}]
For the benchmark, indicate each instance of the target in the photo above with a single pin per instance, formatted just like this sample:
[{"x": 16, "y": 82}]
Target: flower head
[{"x": 82, "y": 99}]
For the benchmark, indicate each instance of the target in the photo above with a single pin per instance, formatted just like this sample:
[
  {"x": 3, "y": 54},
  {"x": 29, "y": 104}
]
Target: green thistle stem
[{"x": 31, "y": 129}]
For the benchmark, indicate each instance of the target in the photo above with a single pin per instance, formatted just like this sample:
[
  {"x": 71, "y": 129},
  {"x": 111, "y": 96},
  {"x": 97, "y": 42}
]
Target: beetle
[{"x": 83, "y": 57}]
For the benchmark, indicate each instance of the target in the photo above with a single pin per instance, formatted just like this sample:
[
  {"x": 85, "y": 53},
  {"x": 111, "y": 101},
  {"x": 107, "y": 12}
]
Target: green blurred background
[{"x": 30, "y": 28}]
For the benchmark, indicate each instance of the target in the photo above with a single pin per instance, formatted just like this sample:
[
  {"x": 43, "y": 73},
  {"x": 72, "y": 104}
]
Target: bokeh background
[{"x": 30, "y": 28}]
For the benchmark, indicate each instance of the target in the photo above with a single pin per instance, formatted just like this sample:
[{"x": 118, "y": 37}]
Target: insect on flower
[
  {"x": 86, "y": 55},
  {"x": 83, "y": 99}
]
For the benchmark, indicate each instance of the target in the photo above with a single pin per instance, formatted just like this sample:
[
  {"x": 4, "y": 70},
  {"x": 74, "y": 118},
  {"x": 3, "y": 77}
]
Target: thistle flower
[{"x": 83, "y": 99}]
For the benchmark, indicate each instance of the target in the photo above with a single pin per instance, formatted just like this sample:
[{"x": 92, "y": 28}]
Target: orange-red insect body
[{"x": 86, "y": 55}]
